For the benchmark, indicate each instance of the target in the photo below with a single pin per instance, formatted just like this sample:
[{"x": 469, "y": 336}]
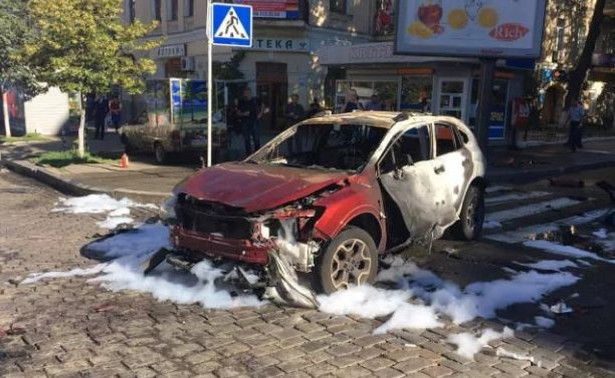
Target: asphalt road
[{"x": 68, "y": 327}]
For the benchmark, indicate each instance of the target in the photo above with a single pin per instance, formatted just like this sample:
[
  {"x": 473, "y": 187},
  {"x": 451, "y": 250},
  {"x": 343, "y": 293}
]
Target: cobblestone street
[{"x": 68, "y": 327}]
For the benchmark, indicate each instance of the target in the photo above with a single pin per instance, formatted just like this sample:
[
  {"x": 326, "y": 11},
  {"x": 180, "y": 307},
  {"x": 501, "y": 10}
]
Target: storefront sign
[
  {"x": 485, "y": 28},
  {"x": 281, "y": 44},
  {"x": 288, "y": 9},
  {"x": 171, "y": 51}
]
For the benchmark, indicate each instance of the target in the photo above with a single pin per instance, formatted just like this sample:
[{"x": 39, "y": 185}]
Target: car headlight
[{"x": 167, "y": 209}]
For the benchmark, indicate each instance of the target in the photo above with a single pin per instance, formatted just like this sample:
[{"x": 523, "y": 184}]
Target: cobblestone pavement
[{"x": 67, "y": 327}]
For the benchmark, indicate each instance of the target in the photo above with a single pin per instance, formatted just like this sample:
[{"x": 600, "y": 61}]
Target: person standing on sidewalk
[
  {"x": 249, "y": 112},
  {"x": 576, "y": 113},
  {"x": 115, "y": 109},
  {"x": 374, "y": 104},
  {"x": 100, "y": 113},
  {"x": 352, "y": 102},
  {"x": 294, "y": 112}
]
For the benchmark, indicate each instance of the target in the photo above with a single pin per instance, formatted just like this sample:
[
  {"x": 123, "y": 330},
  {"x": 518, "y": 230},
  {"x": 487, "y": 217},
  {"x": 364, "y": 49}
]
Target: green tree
[
  {"x": 84, "y": 46},
  {"x": 15, "y": 32},
  {"x": 578, "y": 75}
]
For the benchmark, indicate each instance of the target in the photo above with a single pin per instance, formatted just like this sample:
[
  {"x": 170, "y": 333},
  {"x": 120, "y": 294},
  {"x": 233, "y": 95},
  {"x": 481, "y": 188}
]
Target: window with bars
[
  {"x": 157, "y": 10},
  {"x": 189, "y": 8},
  {"x": 172, "y": 9},
  {"x": 560, "y": 35},
  {"x": 132, "y": 12}
]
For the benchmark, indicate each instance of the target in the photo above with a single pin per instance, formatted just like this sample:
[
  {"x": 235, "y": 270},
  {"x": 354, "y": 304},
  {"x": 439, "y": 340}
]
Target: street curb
[
  {"x": 75, "y": 188},
  {"x": 534, "y": 174}
]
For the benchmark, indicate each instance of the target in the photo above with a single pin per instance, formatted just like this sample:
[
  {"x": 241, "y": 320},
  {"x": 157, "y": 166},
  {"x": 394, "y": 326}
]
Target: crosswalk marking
[
  {"x": 510, "y": 206},
  {"x": 528, "y": 210},
  {"x": 514, "y": 197}
]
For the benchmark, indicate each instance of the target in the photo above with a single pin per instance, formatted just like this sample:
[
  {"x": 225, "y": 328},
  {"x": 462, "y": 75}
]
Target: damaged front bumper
[{"x": 277, "y": 281}]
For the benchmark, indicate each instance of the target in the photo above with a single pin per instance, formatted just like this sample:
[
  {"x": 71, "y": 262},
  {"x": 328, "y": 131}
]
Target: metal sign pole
[
  {"x": 209, "y": 82},
  {"x": 484, "y": 102}
]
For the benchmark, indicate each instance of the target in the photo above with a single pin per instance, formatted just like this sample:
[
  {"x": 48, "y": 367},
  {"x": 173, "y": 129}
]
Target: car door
[
  {"x": 415, "y": 183},
  {"x": 453, "y": 161}
]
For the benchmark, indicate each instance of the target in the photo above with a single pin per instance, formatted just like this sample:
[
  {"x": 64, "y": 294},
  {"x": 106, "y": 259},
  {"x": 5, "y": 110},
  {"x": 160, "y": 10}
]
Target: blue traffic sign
[{"x": 231, "y": 25}]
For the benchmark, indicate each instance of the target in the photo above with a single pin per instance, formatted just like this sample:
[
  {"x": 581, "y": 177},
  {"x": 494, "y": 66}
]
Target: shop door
[
  {"x": 272, "y": 89},
  {"x": 452, "y": 97}
]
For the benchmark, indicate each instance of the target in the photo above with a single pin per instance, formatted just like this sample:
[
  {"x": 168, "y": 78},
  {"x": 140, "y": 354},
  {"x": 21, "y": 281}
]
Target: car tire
[
  {"x": 160, "y": 154},
  {"x": 350, "y": 259},
  {"x": 470, "y": 224}
]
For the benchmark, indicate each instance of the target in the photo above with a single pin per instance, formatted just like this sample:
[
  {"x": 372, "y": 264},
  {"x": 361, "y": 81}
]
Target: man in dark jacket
[
  {"x": 249, "y": 111},
  {"x": 294, "y": 112}
]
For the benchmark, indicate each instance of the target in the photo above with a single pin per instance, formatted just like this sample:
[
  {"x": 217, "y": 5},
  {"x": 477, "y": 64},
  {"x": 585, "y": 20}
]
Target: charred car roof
[{"x": 373, "y": 118}]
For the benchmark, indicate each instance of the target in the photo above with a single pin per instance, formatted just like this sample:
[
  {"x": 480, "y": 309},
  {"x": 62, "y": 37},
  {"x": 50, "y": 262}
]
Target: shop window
[
  {"x": 157, "y": 10},
  {"x": 172, "y": 9},
  {"x": 337, "y": 6},
  {"x": 188, "y": 8},
  {"x": 416, "y": 93},
  {"x": 446, "y": 139}
]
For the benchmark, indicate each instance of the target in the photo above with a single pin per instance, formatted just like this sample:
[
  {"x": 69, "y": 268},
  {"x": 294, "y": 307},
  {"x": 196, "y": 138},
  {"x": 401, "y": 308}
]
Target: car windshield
[{"x": 318, "y": 146}]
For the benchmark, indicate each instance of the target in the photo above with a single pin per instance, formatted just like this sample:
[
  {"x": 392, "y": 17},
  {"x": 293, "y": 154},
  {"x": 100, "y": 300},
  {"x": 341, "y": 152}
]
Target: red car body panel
[
  {"x": 212, "y": 246},
  {"x": 361, "y": 196},
  {"x": 257, "y": 187}
]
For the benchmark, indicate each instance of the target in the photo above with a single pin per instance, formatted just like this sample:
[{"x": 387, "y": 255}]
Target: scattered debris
[
  {"x": 601, "y": 234},
  {"x": 104, "y": 307},
  {"x": 501, "y": 352},
  {"x": 567, "y": 183},
  {"x": 609, "y": 188},
  {"x": 468, "y": 344},
  {"x": 544, "y": 322},
  {"x": 561, "y": 308}
]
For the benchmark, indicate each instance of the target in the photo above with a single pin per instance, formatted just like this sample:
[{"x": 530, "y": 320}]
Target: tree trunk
[
  {"x": 578, "y": 75},
  {"x": 81, "y": 133},
  {"x": 5, "y": 113}
]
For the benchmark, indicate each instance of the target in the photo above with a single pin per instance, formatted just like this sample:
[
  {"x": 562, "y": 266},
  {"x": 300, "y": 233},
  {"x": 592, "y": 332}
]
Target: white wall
[{"x": 47, "y": 113}]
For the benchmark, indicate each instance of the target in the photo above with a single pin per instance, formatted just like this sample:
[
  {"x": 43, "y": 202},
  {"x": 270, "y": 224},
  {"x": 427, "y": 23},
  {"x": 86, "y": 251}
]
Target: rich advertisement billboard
[
  {"x": 287, "y": 9},
  {"x": 478, "y": 28}
]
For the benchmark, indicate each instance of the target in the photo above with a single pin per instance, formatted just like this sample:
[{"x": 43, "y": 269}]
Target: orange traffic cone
[{"x": 124, "y": 161}]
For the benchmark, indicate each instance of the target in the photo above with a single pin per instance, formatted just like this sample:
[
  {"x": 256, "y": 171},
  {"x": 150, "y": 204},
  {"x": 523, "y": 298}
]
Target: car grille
[{"x": 200, "y": 218}]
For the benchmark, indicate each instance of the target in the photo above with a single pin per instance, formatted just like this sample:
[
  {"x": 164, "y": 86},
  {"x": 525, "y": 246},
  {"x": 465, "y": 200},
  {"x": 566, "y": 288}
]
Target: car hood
[{"x": 254, "y": 187}]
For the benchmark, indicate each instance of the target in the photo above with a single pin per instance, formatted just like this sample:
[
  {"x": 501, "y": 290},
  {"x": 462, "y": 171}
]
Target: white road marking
[
  {"x": 533, "y": 209},
  {"x": 514, "y": 197},
  {"x": 522, "y": 234}
]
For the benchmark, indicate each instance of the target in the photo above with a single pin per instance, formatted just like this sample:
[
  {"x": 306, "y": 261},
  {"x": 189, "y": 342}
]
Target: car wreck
[{"x": 315, "y": 208}]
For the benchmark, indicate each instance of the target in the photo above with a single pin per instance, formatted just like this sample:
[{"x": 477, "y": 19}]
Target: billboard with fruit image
[{"x": 481, "y": 28}]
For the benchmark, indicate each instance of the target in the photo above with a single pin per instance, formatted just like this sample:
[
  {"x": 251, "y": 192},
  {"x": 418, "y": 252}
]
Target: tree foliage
[
  {"x": 229, "y": 70},
  {"x": 15, "y": 33},
  {"x": 579, "y": 74},
  {"x": 83, "y": 46}
]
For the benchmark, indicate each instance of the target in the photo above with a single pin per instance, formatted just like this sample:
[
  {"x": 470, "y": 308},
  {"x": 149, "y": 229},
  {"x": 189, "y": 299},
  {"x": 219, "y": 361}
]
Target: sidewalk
[
  {"x": 146, "y": 182},
  {"x": 548, "y": 160}
]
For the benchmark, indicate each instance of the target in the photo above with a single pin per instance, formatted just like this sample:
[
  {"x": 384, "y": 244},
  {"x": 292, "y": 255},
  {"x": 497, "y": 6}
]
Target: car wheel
[
  {"x": 351, "y": 259},
  {"x": 160, "y": 154},
  {"x": 470, "y": 224}
]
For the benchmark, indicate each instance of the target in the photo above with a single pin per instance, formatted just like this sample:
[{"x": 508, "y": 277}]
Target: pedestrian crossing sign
[{"x": 231, "y": 25}]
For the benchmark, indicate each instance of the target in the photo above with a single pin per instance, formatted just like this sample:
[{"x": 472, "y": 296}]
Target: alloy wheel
[{"x": 351, "y": 264}]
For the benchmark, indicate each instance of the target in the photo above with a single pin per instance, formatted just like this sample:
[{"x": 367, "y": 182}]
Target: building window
[
  {"x": 157, "y": 10},
  {"x": 172, "y": 9},
  {"x": 131, "y": 9},
  {"x": 188, "y": 8},
  {"x": 337, "y": 6},
  {"x": 559, "y": 40}
]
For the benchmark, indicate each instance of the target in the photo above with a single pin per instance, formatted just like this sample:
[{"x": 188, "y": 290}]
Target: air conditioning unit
[{"x": 187, "y": 63}]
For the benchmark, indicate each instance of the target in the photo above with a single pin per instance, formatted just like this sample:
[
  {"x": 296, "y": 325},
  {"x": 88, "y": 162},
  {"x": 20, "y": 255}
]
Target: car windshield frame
[{"x": 290, "y": 132}]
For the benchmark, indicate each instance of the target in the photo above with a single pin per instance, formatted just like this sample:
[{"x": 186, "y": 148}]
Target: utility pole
[
  {"x": 209, "y": 82},
  {"x": 485, "y": 95}
]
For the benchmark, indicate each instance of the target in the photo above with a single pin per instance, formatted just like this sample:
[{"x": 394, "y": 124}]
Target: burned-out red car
[{"x": 328, "y": 196}]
